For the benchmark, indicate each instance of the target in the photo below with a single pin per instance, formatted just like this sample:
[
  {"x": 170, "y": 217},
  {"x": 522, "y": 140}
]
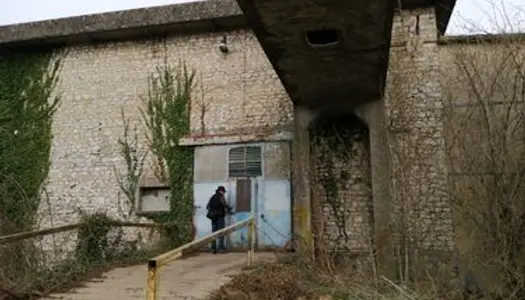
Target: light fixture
[{"x": 223, "y": 45}]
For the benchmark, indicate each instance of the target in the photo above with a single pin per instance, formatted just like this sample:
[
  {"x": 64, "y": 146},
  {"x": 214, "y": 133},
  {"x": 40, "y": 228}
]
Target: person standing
[{"x": 217, "y": 208}]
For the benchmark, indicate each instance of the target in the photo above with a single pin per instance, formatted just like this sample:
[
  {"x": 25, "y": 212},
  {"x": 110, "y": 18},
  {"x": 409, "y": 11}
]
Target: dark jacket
[{"x": 218, "y": 205}]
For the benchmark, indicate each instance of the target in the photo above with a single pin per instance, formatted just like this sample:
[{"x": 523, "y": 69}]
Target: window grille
[{"x": 245, "y": 162}]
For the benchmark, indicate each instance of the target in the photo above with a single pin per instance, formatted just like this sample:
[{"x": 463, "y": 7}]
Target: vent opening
[
  {"x": 245, "y": 162},
  {"x": 322, "y": 37}
]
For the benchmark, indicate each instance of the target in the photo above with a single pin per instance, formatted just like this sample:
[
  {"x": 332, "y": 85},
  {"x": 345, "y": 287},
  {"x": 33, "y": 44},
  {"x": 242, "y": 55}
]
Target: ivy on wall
[
  {"x": 27, "y": 105},
  {"x": 134, "y": 159},
  {"x": 166, "y": 114},
  {"x": 93, "y": 244},
  {"x": 333, "y": 142}
]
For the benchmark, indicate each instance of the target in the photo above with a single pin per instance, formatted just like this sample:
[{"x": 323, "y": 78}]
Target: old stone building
[
  {"x": 344, "y": 180},
  {"x": 237, "y": 102}
]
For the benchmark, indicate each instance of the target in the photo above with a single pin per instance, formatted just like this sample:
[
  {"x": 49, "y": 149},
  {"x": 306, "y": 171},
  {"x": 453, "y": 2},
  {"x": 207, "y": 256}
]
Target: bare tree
[
  {"x": 487, "y": 152},
  {"x": 497, "y": 17}
]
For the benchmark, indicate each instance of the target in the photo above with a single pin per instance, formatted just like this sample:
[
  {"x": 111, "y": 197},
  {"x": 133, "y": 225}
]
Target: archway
[{"x": 342, "y": 209}]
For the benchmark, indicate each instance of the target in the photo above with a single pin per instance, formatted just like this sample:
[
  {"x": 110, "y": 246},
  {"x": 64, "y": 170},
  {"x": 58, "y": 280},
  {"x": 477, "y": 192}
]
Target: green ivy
[
  {"x": 27, "y": 80},
  {"x": 92, "y": 238},
  {"x": 166, "y": 114},
  {"x": 333, "y": 140},
  {"x": 134, "y": 160}
]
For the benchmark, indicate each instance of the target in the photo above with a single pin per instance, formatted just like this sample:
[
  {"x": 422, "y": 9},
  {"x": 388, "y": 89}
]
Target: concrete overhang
[
  {"x": 235, "y": 138},
  {"x": 355, "y": 69},
  {"x": 186, "y": 18},
  {"x": 347, "y": 67}
]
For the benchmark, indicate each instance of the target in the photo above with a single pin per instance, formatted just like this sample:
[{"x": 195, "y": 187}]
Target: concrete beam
[{"x": 234, "y": 139}]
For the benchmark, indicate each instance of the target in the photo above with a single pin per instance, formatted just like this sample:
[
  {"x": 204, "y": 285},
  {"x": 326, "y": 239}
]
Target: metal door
[
  {"x": 242, "y": 197},
  {"x": 274, "y": 213},
  {"x": 269, "y": 201}
]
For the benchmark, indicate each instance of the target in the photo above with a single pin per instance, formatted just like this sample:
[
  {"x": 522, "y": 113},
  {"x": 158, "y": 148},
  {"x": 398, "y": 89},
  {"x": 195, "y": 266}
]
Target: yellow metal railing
[{"x": 163, "y": 259}]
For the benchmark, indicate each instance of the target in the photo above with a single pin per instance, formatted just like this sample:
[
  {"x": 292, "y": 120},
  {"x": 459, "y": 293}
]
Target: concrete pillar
[
  {"x": 408, "y": 151},
  {"x": 414, "y": 105},
  {"x": 301, "y": 162},
  {"x": 373, "y": 113}
]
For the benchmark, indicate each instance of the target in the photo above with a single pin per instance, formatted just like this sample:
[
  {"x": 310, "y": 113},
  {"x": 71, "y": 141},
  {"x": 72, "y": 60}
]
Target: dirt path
[{"x": 193, "y": 278}]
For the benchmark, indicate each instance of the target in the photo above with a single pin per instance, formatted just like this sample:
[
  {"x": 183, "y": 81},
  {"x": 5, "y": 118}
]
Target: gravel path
[{"x": 192, "y": 278}]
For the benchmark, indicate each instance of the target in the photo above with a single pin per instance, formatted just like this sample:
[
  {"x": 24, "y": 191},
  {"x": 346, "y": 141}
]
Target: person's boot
[{"x": 222, "y": 248}]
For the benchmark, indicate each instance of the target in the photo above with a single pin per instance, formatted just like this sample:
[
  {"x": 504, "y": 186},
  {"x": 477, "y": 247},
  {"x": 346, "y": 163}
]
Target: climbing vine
[
  {"x": 93, "y": 244},
  {"x": 128, "y": 181},
  {"x": 333, "y": 141},
  {"x": 27, "y": 105},
  {"x": 166, "y": 115}
]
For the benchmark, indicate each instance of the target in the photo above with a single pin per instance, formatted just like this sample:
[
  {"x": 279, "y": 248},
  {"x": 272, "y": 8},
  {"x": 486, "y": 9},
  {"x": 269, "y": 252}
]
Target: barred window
[{"x": 245, "y": 162}]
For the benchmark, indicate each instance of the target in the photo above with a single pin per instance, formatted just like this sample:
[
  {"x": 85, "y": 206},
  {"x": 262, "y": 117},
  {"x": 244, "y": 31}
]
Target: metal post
[
  {"x": 152, "y": 280},
  {"x": 251, "y": 241},
  {"x": 254, "y": 234}
]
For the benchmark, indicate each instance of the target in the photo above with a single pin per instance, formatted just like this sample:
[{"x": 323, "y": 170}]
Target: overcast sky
[{"x": 469, "y": 16}]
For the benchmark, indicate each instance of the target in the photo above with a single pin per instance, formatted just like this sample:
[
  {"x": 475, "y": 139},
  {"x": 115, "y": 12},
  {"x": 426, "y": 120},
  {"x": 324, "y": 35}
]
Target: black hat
[{"x": 221, "y": 189}]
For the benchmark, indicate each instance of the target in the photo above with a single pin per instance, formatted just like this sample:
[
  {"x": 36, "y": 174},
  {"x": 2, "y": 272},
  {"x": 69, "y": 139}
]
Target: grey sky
[{"x": 470, "y": 16}]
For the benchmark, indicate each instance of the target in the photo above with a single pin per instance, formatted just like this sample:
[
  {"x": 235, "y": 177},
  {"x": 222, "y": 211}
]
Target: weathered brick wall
[
  {"x": 484, "y": 106},
  {"x": 240, "y": 94},
  {"x": 342, "y": 185},
  {"x": 416, "y": 137},
  {"x": 475, "y": 94},
  {"x": 482, "y": 82},
  {"x": 240, "y": 91}
]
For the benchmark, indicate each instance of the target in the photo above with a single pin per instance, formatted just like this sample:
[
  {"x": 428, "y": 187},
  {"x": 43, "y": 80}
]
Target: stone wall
[
  {"x": 239, "y": 90},
  {"x": 482, "y": 82},
  {"x": 416, "y": 134},
  {"x": 475, "y": 95},
  {"x": 342, "y": 184},
  {"x": 238, "y": 93},
  {"x": 407, "y": 144},
  {"x": 483, "y": 106}
]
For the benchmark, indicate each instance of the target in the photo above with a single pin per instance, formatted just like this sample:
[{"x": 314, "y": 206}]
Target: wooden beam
[
  {"x": 31, "y": 234},
  {"x": 15, "y": 237},
  {"x": 142, "y": 225}
]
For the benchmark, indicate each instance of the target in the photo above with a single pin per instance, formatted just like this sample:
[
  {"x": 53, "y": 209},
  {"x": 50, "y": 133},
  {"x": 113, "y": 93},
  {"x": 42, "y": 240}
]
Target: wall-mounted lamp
[{"x": 223, "y": 46}]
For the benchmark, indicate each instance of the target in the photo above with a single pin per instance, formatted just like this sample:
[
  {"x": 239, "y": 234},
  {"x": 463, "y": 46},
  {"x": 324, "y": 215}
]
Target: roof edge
[
  {"x": 210, "y": 12},
  {"x": 477, "y": 38}
]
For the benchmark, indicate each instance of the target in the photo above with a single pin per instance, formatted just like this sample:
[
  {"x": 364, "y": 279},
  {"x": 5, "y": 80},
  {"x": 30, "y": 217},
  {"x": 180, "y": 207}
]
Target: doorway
[
  {"x": 245, "y": 168},
  {"x": 256, "y": 189}
]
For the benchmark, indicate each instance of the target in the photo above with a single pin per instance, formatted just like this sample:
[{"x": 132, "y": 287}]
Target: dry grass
[{"x": 295, "y": 278}]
